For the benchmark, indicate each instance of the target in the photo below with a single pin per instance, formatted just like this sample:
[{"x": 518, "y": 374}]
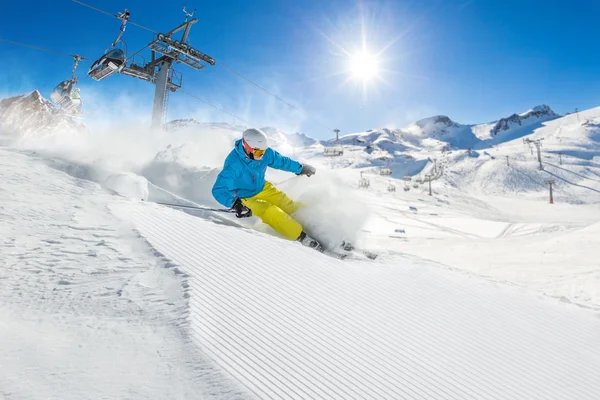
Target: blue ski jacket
[{"x": 243, "y": 177}]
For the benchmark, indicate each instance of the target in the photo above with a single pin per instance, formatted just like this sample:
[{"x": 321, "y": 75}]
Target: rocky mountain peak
[{"x": 31, "y": 113}]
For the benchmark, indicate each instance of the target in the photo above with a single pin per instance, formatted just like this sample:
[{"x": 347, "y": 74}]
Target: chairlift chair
[
  {"x": 61, "y": 91},
  {"x": 385, "y": 171},
  {"x": 334, "y": 151},
  {"x": 363, "y": 182},
  {"x": 113, "y": 61},
  {"x": 391, "y": 187},
  {"x": 65, "y": 97}
]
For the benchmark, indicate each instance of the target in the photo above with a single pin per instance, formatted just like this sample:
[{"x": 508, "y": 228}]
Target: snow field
[
  {"x": 91, "y": 308},
  {"x": 288, "y": 322},
  {"x": 87, "y": 310}
]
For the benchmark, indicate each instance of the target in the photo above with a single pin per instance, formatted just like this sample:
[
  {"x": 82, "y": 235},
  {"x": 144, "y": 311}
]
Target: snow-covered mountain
[
  {"x": 192, "y": 123},
  {"x": 30, "y": 114},
  {"x": 278, "y": 138},
  {"x": 535, "y": 115},
  {"x": 461, "y": 155},
  {"x": 441, "y": 132},
  {"x": 21, "y": 115}
]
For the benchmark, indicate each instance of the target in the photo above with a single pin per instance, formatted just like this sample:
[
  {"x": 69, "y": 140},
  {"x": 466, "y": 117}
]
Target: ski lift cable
[
  {"x": 268, "y": 92},
  {"x": 215, "y": 107},
  {"x": 113, "y": 15},
  {"x": 42, "y": 49}
]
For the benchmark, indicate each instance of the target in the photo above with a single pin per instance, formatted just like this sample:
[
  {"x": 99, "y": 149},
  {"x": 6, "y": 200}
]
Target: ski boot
[{"x": 307, "y": 241}]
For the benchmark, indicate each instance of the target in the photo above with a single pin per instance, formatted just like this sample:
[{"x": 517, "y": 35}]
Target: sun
[{"x": 364, "y": 66}]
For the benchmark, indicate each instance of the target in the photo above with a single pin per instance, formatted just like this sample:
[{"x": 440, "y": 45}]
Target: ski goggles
[{"x": 257, "y": 153}]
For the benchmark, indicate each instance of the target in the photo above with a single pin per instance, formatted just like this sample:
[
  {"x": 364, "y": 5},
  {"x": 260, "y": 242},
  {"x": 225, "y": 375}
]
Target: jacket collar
[{"x": 239, "y": 149}]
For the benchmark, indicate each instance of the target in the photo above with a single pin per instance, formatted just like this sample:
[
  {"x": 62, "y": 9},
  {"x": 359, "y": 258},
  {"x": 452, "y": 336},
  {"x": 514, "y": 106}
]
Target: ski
[
  {"x": 347, "y": 251},
  {"x": 349, "y": 247},
  {"x": 335, "y": 254}
]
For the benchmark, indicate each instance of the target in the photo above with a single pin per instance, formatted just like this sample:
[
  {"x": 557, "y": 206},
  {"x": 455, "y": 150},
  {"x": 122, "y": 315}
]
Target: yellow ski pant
[{"x": 274, "y": 207}]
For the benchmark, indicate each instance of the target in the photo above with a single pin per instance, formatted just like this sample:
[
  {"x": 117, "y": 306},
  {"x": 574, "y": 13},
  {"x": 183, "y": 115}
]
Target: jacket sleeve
[
  {"x": 223, "y": 190},
  {"x": 283, "y": 163}
]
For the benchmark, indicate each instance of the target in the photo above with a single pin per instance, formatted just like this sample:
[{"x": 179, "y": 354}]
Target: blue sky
[{"x": 472, "y": 60}]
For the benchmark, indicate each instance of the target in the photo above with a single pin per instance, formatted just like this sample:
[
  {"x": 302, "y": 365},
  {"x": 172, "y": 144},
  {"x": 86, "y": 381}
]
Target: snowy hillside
[
  {"x": 481, "y": 290},
  {"x": 440, "y": 132},
  {"x": 570, "y": 150},
  {"x": 116, "y": 298}
]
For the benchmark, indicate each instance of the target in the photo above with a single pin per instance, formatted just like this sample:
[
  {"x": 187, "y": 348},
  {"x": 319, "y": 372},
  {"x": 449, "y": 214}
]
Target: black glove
[
  {"x": 241, "y": 211},
  {"x": 307, "y": 170}
]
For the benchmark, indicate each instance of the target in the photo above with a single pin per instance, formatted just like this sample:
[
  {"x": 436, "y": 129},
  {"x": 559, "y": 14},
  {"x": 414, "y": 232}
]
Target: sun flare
[{"x": 364, "y": 66}]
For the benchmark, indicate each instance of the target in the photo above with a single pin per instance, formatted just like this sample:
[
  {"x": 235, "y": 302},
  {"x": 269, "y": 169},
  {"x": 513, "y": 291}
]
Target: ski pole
[
  {"x": 225, "y": 210},
  {"x": 285, "y": 180}
]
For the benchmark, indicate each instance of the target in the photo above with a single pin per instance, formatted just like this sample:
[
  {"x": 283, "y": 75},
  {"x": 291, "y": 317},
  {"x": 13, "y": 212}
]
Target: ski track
[
  {"x": 288, "y": 322},
  {"x": 87, "y": 311}
]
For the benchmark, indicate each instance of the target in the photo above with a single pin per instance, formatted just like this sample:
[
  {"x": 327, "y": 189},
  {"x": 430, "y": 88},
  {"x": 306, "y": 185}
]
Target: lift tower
[
  {"x": 538, "y": 146},
  {"x": 160, "y": 69},
  {"x": 172, "y": 51}
]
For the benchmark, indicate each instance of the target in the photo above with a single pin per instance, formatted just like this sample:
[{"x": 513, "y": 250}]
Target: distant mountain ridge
[
  {"x": 30, "y": 113},
  {"x": 539, "y": 112},
  {"x": 440, "y": 131}
]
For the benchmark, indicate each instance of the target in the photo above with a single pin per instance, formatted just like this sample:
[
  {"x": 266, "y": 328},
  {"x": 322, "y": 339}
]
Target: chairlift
[
  {"x": 391, "y": 188},
  {"x": 334, "y": 151},
  {"x": 114, "y": 59},
  {"x": 385, "y": 171},
  {"x": 363, "y": 182},
  {"x": 65, "y": 95},
  {"x": 337, "y": 149}
]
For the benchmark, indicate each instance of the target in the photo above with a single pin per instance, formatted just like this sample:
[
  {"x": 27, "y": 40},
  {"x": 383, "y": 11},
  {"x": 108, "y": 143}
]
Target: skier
[
  {"x": 76, "y": 99},
  {"x": 241, "y": 186}
]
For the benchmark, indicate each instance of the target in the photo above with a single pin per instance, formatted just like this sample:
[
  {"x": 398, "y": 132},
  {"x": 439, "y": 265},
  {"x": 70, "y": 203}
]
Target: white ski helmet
[
  {"x": 256, "y": 139},
  {"x": 255, "y": 143}
]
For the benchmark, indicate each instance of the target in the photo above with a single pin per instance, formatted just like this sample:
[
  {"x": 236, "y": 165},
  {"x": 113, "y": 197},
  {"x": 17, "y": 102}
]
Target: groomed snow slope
[
  {"x": 288, "y": 322},
  {"x": 87, "y": 309}
]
